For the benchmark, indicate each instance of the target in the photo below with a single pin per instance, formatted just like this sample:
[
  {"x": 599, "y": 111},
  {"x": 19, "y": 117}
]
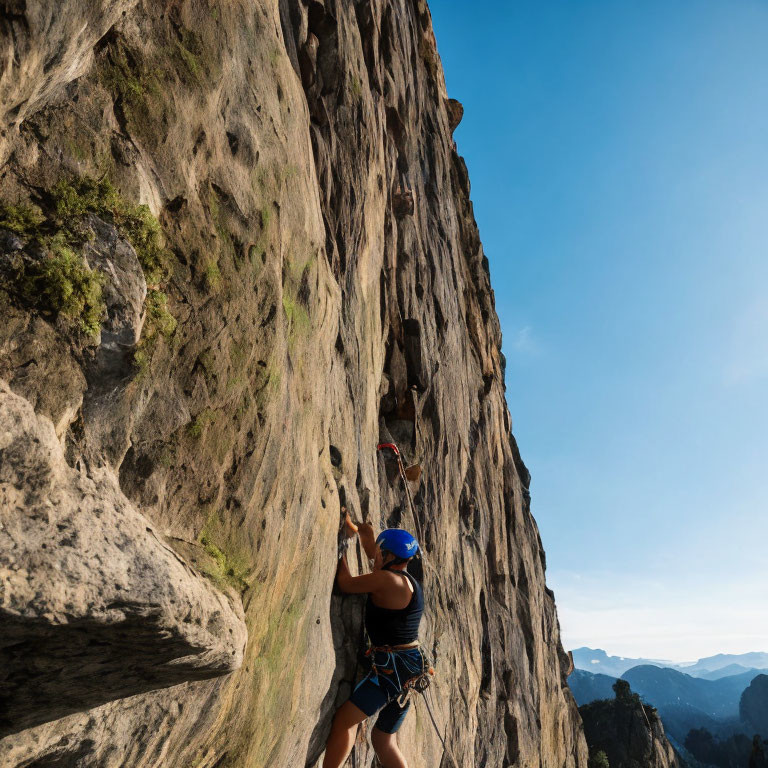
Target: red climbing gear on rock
[{"x": 404, "y": 475}]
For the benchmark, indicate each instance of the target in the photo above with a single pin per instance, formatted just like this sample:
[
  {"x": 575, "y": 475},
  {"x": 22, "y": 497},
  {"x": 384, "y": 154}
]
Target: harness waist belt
[{"x": 405, "y": 647}]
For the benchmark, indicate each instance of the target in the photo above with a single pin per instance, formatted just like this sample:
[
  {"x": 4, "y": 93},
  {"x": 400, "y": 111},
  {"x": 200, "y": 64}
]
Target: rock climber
[{"x": 392, "y": 615}]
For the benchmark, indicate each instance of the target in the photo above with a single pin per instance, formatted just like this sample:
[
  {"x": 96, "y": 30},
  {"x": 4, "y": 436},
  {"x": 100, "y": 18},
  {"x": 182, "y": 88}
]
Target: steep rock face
[{"x": 327, "y": 291}]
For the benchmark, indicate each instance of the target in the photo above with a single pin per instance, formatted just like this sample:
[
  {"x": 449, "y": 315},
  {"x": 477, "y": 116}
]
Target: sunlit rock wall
[{"x": 324, "y": 289}]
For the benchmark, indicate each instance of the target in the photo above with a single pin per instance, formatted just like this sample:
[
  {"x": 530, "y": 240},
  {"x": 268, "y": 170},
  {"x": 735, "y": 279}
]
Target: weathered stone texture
[
  {"x": 94, "y": 605},
  {"x": 330, "y": 292}
]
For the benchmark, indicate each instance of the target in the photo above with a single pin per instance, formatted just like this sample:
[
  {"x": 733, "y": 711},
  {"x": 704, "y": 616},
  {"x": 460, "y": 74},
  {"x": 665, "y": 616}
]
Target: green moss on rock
[
  {"x": 197, "y": 426},
  {"x": 63, "y": 283},
  {"x": 21, "y": 219},
  {"x": 159, "y": 319},
  {"x": 54, "y": 278},
  {"x": 50, "y": 274},
  {"x": 212, "y": 277},
  {"x": 297, "y": 317},
  {"x": 73, "y": 199},
  {"x": 227, "y": 568}
]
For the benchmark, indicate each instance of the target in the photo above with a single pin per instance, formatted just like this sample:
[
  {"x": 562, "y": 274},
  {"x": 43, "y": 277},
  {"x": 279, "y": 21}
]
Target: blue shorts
[{"x": 380, "y": 688}]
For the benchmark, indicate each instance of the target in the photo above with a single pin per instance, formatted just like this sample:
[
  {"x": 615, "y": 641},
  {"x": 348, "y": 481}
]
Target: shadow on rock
[{"x": 346, "y": 613}]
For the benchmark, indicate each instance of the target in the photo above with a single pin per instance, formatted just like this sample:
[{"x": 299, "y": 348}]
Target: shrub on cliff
[
  {"x": 41, "y": 269},
  {"x": 42, "y": 265},
  {"x": 624, "y": 729},
  {"x": 758, "y": 758},
  {"x": 74, "y": 199}
]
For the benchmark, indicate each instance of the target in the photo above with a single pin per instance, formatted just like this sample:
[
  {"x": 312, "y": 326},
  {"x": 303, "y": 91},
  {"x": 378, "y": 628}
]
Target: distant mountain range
[
  {"x": 598, "y": 661},
  {"x": 731, "y": 669},
  {"x": 706, "y": 694},
  {"x": 667, "y": 687},
  {"x": 755, "y": 660}
]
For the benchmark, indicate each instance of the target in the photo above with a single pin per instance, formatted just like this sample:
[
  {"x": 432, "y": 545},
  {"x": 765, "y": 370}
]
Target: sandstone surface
[{"x": 322, "y": 289}]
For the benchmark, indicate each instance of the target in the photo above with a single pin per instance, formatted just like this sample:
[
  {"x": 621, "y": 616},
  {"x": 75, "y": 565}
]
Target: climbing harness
[
  {"x": 421, "y": 673},
  {"x": 419, "y": 683},
  {"x": 388, "y": 666}
]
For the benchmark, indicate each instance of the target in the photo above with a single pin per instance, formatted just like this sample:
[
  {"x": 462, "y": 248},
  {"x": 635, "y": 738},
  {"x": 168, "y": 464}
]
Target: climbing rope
[
  {"x": 344, "y": 544},
  {"x": 402, "y": 471},
  {"x": 645, "y": 715},
  {"x": 427, "y": 696},
  {"x": 421, "y": 682}
]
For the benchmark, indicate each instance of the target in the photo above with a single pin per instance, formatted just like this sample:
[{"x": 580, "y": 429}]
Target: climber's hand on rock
[{"x": 350, "y": 529}]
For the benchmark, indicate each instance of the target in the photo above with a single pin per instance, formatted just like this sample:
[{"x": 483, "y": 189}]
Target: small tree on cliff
[
  {"x": 625, "y": 698},
  {"x": 624, "y": 693}
]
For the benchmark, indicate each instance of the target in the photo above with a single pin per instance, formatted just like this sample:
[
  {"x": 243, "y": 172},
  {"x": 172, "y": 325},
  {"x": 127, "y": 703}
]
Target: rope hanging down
[
  {"x": 420, "y": 683},
  {"x": 426, "y": 695},
  {"x": 404, "y": 476}
]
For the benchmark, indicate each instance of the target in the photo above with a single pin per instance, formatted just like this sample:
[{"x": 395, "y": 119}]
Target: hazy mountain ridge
[
  {"x": 710, "y": 667},
  {"x": 729, "y": 671},
  {"x": 662, "y": 686}
]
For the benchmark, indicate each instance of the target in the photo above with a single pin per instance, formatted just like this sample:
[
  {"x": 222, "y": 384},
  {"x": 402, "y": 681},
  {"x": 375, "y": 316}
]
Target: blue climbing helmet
[{"x": 399, "y": 542}]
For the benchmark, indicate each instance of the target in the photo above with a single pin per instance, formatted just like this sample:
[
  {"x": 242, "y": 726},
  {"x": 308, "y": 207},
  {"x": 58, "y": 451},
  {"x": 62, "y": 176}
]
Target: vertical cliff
[{"x": 237, "y": 250}]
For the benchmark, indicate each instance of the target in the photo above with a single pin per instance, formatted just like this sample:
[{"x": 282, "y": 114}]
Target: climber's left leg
[{"x": 342, "y": 737}]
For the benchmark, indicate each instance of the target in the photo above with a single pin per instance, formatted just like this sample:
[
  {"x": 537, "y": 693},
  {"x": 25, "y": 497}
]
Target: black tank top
[{"x": 386, "y": 626}]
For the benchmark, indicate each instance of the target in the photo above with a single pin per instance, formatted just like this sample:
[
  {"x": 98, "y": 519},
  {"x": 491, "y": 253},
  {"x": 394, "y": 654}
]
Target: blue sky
[{"x": 618, "y": 153}]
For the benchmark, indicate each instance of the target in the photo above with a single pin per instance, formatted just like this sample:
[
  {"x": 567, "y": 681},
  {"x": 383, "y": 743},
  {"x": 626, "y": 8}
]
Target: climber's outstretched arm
[{"x": 364, "y": 532}]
